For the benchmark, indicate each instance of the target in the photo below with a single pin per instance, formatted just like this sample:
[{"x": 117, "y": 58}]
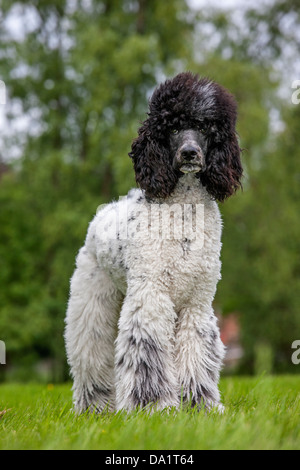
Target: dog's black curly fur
[{"x": 187, "y": 102}]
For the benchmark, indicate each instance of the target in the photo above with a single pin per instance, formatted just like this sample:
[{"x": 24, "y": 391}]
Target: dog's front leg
[
  {"x": 199, "y": 356},
  {"x": 145, "y": 369}
]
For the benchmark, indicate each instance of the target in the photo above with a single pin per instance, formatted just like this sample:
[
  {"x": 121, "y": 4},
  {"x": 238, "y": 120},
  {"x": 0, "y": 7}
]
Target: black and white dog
[{"x": 140, "y": 327}]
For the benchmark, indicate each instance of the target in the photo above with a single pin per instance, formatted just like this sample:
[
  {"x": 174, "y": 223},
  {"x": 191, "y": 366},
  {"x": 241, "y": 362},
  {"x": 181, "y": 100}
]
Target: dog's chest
[
  {"x": 185, "y": 266},
  {"x": 177, "y": 266},
  {"x": 175, "y": 245}
]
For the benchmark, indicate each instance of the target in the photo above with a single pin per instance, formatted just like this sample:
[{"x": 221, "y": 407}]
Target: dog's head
[
  {"x": 190, "y": 128},
  {"x": 188, "y": 150}
]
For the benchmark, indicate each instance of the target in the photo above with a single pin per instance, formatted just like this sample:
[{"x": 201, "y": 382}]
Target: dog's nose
[{"x": 189, "y": 152}]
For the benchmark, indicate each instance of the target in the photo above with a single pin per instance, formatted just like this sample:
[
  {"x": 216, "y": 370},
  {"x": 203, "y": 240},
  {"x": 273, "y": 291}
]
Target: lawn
[{"x": 261, "y": 413}]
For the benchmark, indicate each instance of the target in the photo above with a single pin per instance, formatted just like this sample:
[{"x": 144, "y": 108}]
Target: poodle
[{"x": 140, "y": 326}]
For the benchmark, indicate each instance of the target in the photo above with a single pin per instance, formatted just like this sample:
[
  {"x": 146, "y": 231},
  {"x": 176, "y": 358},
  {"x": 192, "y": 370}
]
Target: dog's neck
[{"x": 188, "y": 189}]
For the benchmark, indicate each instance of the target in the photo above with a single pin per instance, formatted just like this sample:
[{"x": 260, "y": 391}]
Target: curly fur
[
  {"x": 140, "y": 326},
  {"x": 188, "y": 103}
]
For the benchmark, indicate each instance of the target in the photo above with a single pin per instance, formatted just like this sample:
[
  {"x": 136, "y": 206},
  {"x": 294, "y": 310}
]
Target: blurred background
[{"x": 78, "y": 75}]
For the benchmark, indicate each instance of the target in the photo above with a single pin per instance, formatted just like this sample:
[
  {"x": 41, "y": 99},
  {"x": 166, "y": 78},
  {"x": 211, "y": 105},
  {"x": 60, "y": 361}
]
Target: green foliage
[
  {"x": 43, "y": 218},
  {"x": 260, "y": 276},
  {"x": 82, "y": 76},
  {"x": 263, "y": 238},
  {"x": 81, "y": 73}
]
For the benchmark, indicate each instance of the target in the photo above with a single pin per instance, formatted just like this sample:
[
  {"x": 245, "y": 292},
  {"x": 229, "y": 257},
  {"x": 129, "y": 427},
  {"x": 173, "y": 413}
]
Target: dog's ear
[
  {"x": 223, "y": 173},
  {"x": 151, "y": 160}
]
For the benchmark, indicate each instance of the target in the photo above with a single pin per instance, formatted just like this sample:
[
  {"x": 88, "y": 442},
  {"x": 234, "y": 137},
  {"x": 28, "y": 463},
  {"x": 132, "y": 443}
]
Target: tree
[
  {"x": 81, "y": 74},
  {"x": 261, "y": 227},
  {"x": 268, "y": 237}
]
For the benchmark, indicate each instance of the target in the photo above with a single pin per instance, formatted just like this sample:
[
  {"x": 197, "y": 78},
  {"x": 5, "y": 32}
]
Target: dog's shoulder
[{"x": 110, "y": 222}]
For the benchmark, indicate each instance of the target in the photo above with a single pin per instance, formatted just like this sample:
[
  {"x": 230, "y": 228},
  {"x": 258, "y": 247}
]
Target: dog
[{"x": 140, "y": 326}]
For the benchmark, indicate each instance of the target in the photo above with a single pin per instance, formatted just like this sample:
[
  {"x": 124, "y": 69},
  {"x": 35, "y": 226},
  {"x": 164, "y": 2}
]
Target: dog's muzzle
[{"x": 190, "y": 158}]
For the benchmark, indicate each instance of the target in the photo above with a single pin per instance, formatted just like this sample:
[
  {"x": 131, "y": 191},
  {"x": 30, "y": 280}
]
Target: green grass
[{"x": 261, "y": 413}]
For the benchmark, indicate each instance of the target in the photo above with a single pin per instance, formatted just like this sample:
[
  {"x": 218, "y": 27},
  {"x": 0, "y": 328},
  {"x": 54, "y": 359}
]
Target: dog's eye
[
  {"x": 174, "y": 131},
  {"x": 202, "y": 128}
]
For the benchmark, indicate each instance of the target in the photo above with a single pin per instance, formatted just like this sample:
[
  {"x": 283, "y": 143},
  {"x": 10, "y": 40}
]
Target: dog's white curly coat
[{"x": 140, "y": 326}]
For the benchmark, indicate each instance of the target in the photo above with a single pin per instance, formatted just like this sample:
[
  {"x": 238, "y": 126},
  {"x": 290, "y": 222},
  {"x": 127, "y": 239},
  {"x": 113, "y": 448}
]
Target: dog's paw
[{"x": 217, "y": 408}]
